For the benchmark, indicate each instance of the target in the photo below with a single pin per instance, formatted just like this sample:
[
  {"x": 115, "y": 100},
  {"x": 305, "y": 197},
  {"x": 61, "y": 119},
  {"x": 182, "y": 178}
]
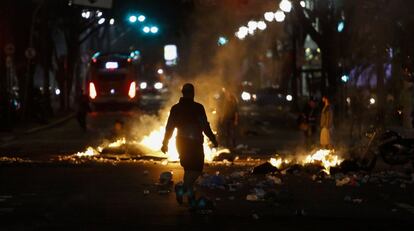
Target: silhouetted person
[
  {"x": 228, "y": 117},
  {"x": 326, "y": 123},
  {"x": 190, "y": 119},
  {"x": 83, "y": 109}
]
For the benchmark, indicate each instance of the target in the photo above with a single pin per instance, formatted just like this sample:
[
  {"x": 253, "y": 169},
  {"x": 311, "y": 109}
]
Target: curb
[{"x": 50, "y": 125}]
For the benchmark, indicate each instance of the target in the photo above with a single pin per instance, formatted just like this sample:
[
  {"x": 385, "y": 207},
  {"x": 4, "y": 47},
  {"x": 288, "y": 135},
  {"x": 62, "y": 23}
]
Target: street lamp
[
  {"x": 101, "y": 21},
  {"x": 111, "y": 21},
  {"x": 99, "y": 13},
  {"x": 240, "y": 35},
  {"x": 261, "y": 25},
  {"x": 252, "y": 25},
  {"x": 341, "y": 26},
  {"x": 132, "y": 19},
  {"x": 280, "y": 16},
  {"x": 344, "y": 78},
  {"x": 269, "y": 16},
  {"x": 285, "y": 5},
  {"x": 222, "y": 41},
  {"x": 154, "y": 29},
  {"x": 86, "y": 14},
  {"x": 141, "y": 18},
  {"x": 242, "y": 32},
  {"x": 146, "y": 29}
]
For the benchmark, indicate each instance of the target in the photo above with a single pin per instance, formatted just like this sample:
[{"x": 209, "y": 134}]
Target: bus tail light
[
  {"x": 92, "y": 90},
  {"x": 132, "y": 90}
]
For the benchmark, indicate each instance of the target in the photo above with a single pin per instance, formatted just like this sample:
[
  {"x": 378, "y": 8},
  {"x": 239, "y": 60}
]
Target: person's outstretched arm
[
  {"x": 169, "y": 129},
  {"x": 207, "y": 129}
]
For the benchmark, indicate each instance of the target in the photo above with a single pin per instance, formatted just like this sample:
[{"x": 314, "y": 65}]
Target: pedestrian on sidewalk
[
  {"x": 83, "y": 110},
  {"x": 190, "y": 119},
  {"x": 326, "y": 124}
]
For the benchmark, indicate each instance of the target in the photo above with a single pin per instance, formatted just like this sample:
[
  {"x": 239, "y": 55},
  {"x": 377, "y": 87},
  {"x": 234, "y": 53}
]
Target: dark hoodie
[{"x": 190, "y": 119}]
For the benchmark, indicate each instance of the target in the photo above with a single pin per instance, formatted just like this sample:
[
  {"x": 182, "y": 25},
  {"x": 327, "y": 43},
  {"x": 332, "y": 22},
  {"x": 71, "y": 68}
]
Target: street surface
[{"x": 47, "y": 188}]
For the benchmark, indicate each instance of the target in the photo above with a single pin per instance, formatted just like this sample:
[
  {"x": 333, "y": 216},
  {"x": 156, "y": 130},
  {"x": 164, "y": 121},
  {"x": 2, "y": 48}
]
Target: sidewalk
[{"x": 34, "y": 127}]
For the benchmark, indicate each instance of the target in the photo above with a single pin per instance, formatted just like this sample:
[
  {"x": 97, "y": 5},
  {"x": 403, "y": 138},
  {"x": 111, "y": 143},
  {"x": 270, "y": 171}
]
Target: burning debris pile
[
  {"x": 148, "y": 147},
  {"x": 153, "y": 141},
  {"x": 323, "y": 159}
]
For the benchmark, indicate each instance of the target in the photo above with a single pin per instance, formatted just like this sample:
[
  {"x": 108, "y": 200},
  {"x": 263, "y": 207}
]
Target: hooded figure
[{"x": 190, "y": 119}]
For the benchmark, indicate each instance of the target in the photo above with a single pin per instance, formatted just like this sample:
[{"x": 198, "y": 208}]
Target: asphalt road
[{"x": 109, "y": 195}]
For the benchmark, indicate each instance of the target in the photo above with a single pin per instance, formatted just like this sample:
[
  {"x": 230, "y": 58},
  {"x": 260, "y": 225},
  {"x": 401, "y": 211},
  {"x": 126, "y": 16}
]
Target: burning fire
[
  {"x": 323, "y": 157},
  {"x": 117, "y": 143},
  {"x": 277, "y": 162},
  {"x": 88, "y": 153},
  {"x": 153, "y": 141}
]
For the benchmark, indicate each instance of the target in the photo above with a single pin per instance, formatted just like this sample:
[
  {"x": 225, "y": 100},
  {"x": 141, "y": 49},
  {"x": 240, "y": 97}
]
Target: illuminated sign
[
  {"x": 111, "y": 65},
  {"x": 170, "y": 52}
]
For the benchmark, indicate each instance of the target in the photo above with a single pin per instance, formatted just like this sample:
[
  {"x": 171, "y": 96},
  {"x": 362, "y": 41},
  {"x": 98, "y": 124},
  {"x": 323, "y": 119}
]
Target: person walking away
[
  {"x": 326, "y": 124},
  {"x": 190, "y": 119},
  {"x": 83, "y": 109},
  {"x": 228, "y": 119}
]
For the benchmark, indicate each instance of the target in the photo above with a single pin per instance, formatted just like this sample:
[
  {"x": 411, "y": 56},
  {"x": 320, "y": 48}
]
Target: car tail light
[
  {"x": 92, "y": 91},
  {"x": 132, "y": 90}
]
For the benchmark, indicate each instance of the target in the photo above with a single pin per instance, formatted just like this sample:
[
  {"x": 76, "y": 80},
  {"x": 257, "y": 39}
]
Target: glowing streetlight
[
  {"x": 251, "y": 31},
  {"x": 154, "y": 29},
  {"x": 244, "y": 30},
  {"x": 269, "y": 16},
  {"x": 261, "y": 25},
  {"x": 222, "y": 41},
  {"x": 111, "y": 21},
  {"x": 289, "y": 98},
  {"x": 141, "y": 18},
  {"x": 285, "y": 5},
  {"x": 372, "y": 101},
  {"x": 240, "y": 35},
  {"x": 252, "y": 25},
  {"x": 86, "y": 14},
  {"x": 341, "y": 26},
  {"x": 160, "y": 71},
  {"x": 302, "y": 3},
  {"x": 101, "y": 21},
  {"x": 146, "y": 29},
  {"x": 132, "y": 19},
  {"x": 99, "y": 13},
  {"x": 344, "y": 78},
  {"x": 280, "y": 16}
]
